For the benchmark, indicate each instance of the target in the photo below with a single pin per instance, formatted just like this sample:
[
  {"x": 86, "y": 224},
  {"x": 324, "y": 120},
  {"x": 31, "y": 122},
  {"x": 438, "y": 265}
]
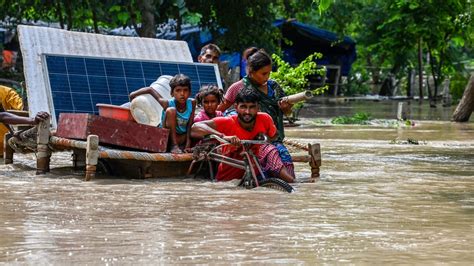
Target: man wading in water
[{"x": 246, "y": 125}]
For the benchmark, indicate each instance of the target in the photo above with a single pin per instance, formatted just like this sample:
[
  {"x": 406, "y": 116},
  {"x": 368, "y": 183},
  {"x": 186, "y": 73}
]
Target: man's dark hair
[
  {"x": 180, "y": 80},
  {"x": 247, "y": 95},
  {"x": 211, "y": 47}
]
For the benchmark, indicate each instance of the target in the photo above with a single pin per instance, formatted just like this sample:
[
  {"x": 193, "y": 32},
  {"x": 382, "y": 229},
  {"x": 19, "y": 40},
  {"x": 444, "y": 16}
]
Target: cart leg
[
  {"x": 43, "y": 156},
  {"x": 7, "y": 150},
  {"x": 92, "y": 156},
  {"x": 315, "y": 161}
]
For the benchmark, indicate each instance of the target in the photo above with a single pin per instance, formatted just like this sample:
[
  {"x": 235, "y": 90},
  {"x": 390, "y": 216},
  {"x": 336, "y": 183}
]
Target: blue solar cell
[
  {"x": 63, "y": 101},
  {"x": 151, "y": 70},
  {"x": 59, "y": 82},
  {"x": 114, "y": 68},
  {"x": 75, "y": 66},
  {"x": 119, "y": 99},
  {"x": 98, "y": 84},
  {"x": 79, "y": 83},
  {"x": 56, "y": 64},
  {"x": 190, "y": 71},
  {"x": 135, "y": 84},
  {"x": 95, "y": 67},
  {"x": 169, "y": 69},
  {"x": 82, "y": 102},
  {"x": 117, "y": 86},
  {"x": 133, "y": 69}
]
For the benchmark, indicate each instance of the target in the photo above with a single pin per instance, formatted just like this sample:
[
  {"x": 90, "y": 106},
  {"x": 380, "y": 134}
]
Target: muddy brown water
[{"x": 375, "y": 202}]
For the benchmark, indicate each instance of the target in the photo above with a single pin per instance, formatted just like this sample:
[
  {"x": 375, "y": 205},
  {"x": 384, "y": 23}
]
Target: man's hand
[
  {"x": 233, "y": 140},
  {"x": 41, "y": 116}
]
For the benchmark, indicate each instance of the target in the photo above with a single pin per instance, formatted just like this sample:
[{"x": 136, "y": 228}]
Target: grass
[{"x": 360, "y": 118}]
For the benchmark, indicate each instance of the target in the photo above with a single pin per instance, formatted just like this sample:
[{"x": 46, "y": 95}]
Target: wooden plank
[{"x": 113, "y": 132}]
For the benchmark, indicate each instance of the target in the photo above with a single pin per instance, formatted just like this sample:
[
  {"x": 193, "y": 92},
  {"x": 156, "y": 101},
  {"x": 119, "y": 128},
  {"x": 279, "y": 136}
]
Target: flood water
[{"x": 375, "y": 202}]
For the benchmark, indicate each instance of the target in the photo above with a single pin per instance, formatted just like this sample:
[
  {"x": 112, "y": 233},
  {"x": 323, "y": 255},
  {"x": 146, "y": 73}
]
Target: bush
[
  {"x": 360, "y": 118},
  {"x": 294, "y": 79},
  {"x": 457, "y": 86}
]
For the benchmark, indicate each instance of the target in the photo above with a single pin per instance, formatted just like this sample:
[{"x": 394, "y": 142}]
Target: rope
[
  {"x": 145, "y": 156},
  {"x": 296, "y": 144},
  {"x": 68, "y": 142},
  {"x": 107, "y": 153}
]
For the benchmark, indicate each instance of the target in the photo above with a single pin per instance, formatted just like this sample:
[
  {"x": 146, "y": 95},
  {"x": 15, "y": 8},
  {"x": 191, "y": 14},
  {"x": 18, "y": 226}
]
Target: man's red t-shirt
[{"x": 230, "y": 126}]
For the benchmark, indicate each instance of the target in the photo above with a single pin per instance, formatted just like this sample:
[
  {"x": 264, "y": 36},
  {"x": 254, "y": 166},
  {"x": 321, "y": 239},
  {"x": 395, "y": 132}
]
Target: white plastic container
[{"x": 145, "y": 108}]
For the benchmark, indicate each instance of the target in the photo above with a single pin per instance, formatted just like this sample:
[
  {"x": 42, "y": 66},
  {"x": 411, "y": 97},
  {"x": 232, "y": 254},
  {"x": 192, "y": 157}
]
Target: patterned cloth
[
  {"x": 272, "y": 157},
  {"x": 202, "y": 116}
]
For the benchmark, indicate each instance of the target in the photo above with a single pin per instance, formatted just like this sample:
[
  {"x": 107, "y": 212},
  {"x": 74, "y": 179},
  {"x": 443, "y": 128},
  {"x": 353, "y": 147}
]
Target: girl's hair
[
  {"x": 256, "y": 58},
  {"x": 180, "y": 80},
  {"x": 209, "y": 90}
]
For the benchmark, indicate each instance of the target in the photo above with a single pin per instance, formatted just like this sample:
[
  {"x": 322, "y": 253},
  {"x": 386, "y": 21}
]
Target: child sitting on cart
[
  {"x": 208, "y": 97},
  {"x": 178, "y": 112}
]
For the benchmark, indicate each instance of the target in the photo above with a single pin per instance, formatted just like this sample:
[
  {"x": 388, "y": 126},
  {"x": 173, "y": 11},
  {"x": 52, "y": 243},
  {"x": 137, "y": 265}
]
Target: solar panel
[{"x": 78, "y": 83}]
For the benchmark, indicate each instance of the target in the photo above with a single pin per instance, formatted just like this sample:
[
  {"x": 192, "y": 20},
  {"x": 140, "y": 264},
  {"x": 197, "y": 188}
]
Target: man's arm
[
  {"x": 200, "y": 129},
  {"x": 149, "y": 90},
  {"x": 9, "y": 118}
]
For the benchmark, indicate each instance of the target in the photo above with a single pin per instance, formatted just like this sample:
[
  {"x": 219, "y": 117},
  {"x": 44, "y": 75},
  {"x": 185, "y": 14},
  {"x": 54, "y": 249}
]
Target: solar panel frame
[{"x": 71, "y": 79}]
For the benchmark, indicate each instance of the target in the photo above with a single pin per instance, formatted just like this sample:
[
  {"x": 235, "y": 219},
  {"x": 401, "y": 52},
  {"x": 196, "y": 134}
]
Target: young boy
[{"x": 178, "y": 112}]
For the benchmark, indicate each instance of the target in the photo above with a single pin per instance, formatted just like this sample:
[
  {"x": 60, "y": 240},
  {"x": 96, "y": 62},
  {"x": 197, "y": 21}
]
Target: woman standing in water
[{"x": 259, "y": 67}]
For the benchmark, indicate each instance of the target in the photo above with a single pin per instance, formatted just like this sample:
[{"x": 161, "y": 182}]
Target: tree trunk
[
  {"x": 179, "y": 22},
  {"x": 411, "y": 82},
  {"x": 436, "y": 77},
  {"x": 69, "y": 17},
  {"x": 466, "y": 105},
  {"x": 420, "y": 69},
  {"x": 59, "y": 13},
  {"x": 147, "y": 10},
  {"x": 94, "y": 16}
]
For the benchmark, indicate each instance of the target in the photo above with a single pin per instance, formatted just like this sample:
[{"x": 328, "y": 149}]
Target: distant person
[
  {"x": 208, "y": 98},
  {"x": 178, "y": 112},
  {"x": 259, "y": 67},
  {"x": 10, "y": 100},
  {"x": 10, "y": 52},
  {"x": 246, "y": 125},
  {"x": 209, "y": 54}
]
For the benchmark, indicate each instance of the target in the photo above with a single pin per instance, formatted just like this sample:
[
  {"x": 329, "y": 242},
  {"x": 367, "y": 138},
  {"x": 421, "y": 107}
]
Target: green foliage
[
  {"x": 359, "y": 118},
  {"x": 294, "y": 79},
  {"x": 457, "y": 86},
  {"x": 239, "y": 24}
]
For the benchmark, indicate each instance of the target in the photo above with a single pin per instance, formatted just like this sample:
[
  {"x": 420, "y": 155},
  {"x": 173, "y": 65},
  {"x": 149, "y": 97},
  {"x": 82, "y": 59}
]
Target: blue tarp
[{"x": 306, "y": 40}]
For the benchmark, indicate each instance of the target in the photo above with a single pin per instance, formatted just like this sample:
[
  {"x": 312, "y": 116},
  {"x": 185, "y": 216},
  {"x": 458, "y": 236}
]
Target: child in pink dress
[{"x": 208, "y": 97}]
